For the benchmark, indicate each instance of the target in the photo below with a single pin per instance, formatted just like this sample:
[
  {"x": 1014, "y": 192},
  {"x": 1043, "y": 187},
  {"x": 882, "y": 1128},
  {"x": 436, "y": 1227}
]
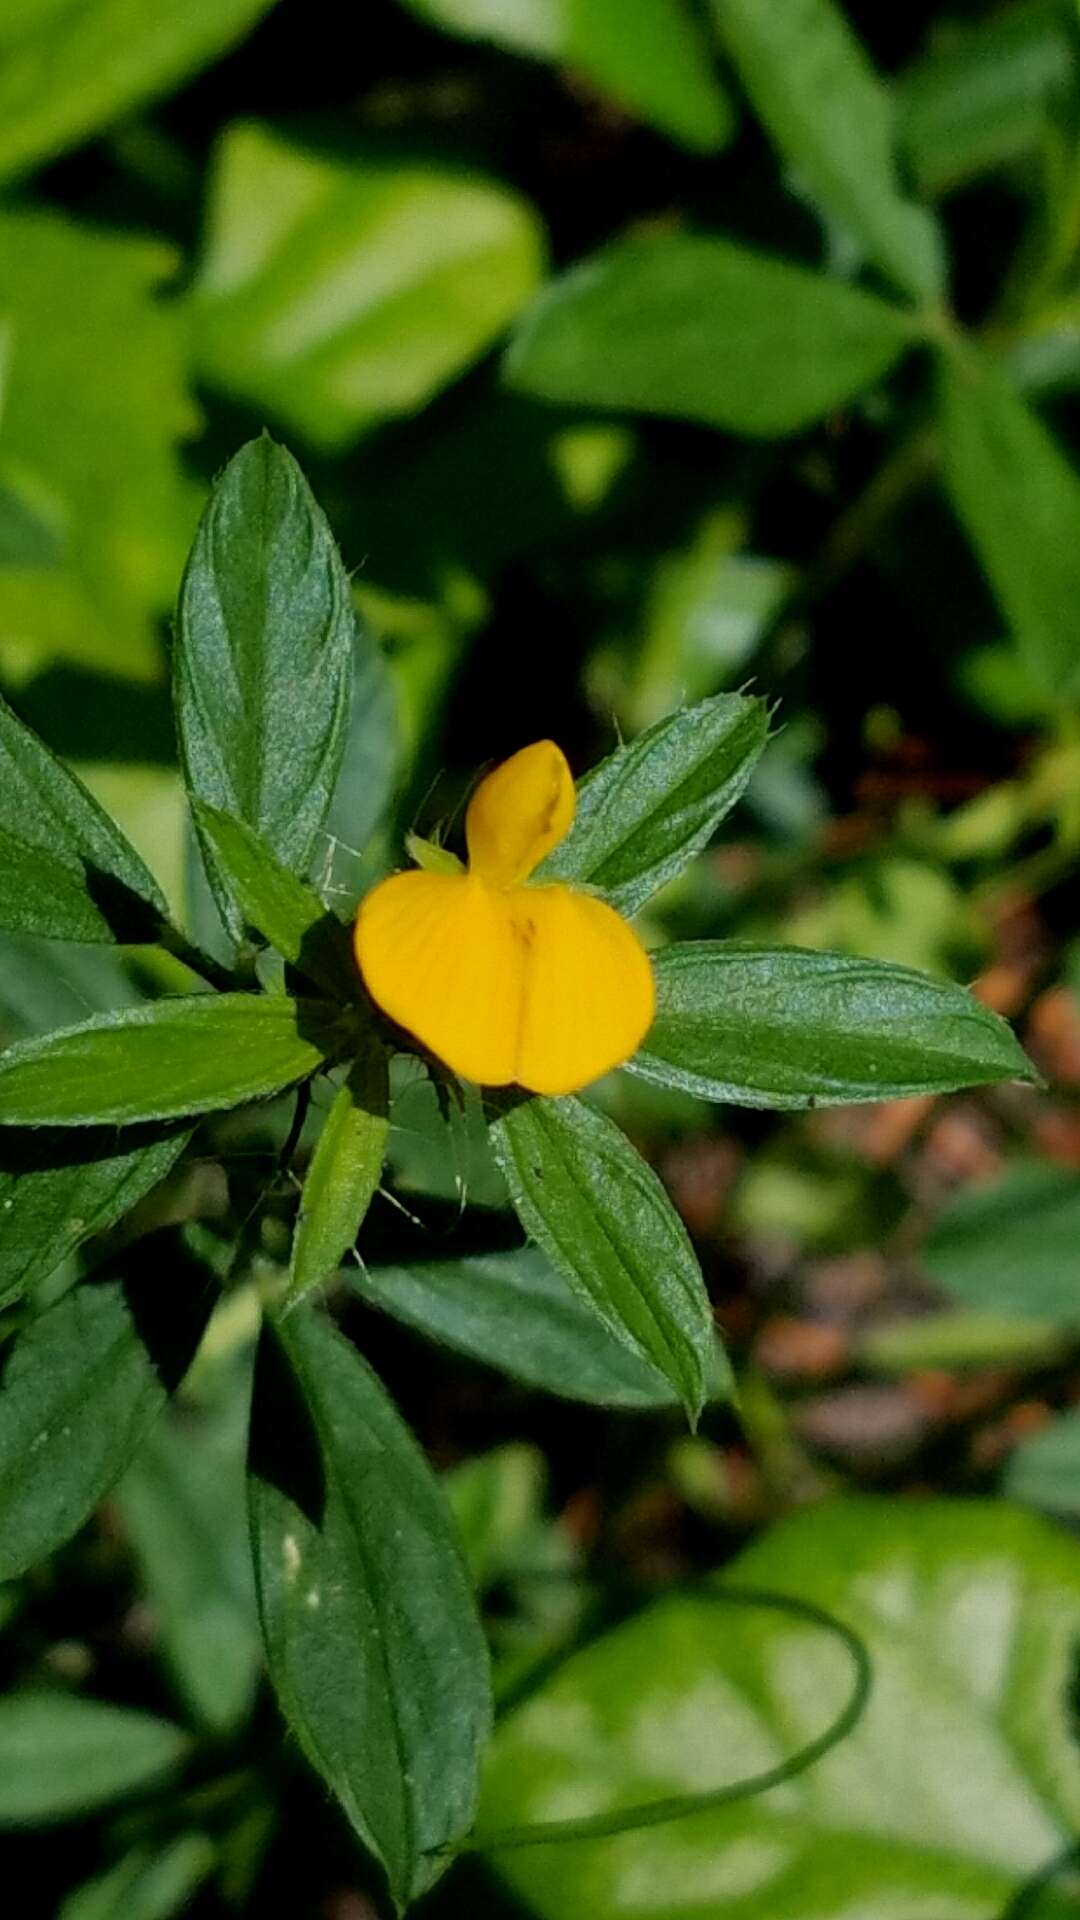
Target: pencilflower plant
[{"x": 522, "y": 974}]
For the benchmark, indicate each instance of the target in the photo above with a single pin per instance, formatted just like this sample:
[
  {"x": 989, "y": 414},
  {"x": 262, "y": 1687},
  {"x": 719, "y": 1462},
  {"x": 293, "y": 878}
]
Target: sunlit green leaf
[
  {"x": 345, "y": 1171},
  {"x": 167, "y": 1059},
  {"x": 62, "y": 1755},
  {"x": 263, "y": 660},
  {"x": 959, "y": 1784},
  {"x": 651, "y": 58},
  {"x": 373, "y": 1641},
  {"x": 1013, "y": 1245},
  {"x": 68, "y": 69},
  {"x": 1018, "y": 499},
  {"x": 66, "y": 872},
  {"x": 647, "y": 809},
  {"x": 57, "y": 1189},
  {"x": 81, "y": 1385},
  {"x": 602, "y": 1218},
  {"x": 93, "y": 415},
  {"x": 831, "y": 118},
  {"x": 704, "y": 330},
  {"x": 336, "y": 293},
  {"x": 787, "y": 1027}
]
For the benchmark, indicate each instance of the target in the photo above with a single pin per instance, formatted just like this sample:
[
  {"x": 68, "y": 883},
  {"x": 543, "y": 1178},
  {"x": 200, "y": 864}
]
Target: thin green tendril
[{"x": 654, "y": 1813}]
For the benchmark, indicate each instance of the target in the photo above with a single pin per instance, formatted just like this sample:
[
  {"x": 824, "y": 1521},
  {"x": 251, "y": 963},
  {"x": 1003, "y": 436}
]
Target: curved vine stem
[{"x": 654, "y": 1813}]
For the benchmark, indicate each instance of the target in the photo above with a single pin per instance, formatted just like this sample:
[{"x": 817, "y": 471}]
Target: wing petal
[
  {"x": 439, "y": 954},
  {"x": 589, "y": 995}
]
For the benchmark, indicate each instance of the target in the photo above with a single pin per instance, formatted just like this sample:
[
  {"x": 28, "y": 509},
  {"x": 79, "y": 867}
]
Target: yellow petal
[
  {"x": 438, "y": 953},
  {"x": 519, "y": 813},
  {"x": 589, "y": 995}
]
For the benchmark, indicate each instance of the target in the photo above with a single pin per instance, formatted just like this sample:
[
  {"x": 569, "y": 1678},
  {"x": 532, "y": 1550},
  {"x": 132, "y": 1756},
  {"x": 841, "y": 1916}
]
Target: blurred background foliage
[{"x": 638, "y": 349}]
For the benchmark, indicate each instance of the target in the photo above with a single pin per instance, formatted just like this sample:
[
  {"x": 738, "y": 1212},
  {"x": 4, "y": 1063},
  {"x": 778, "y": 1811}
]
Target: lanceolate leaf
[
  {"x": 649, "y": 807},
  {"x": 81, "y": 1385},
  {"x": 603, "y": 1219},
  {"x": 1018, "y": 499},
  {"x": 830, "y": 116},
  {"x": 168, "y": 1059},
  {"x": 279, "y": 906},
  {"x": 514, "y": 1311},
  {"x": 345, "y": 1170},
  {"x": 371, "y": 1631},
  {"x": 701, "y": 329},
  {"x": 785, "y": 1027},
  {"x": 62, "y": 1755},
  {"x": 66, "y": 872},
  {"x": 264, "y": 659},
  {"x": 57, "y": 1189}
]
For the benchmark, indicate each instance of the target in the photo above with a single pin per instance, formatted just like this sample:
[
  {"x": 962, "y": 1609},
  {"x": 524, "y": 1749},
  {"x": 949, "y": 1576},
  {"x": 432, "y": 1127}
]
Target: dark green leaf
[
  {"x": 1013, "y": 1245},
  {"x": 816, "y": 92},
  {"x": 56, "y": 984},
  {"x": 1044, "y": 1470},
  {"x": 787, "y": 1027},
  {"x": 374, "y": 1645},
  {"x": 370, "y": 765},
  {"x": 182, "y": 1501},
  {"x": 651, "y": 58},
  {"x": 704, "y": 330},
  {"x": 167, "y": 1059},
  {"x": 62, "y": 1755},
  {"x": 263, "y": 659},
  {"x": 146, "y": 1884},
  {"x": 987, "y": 94},
  {"x": 647, "y": 809},
  {"x": 27, "y": 538},
  {"x": 345, "y": 1171},
  {"x": 80, "y": 1386},
  {"x": 441, "y": 1149},
  {"x": 959, "y": 1783},
  {"x": 58, "y": 1189},
  {"x": 279, "y": 906},
  {"x": 1018, "y": 499},
  {"x": 603, "y": 1219},
  {"x": 338, "y": 290},
  {"x": 66, "y": 72},
  {"x": 514, "y": 1311},
  {"x": 66, "y": 872}
]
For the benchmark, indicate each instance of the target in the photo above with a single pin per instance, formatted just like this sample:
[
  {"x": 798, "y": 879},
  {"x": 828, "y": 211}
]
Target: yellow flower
[{"x": 541, "y": 986}]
